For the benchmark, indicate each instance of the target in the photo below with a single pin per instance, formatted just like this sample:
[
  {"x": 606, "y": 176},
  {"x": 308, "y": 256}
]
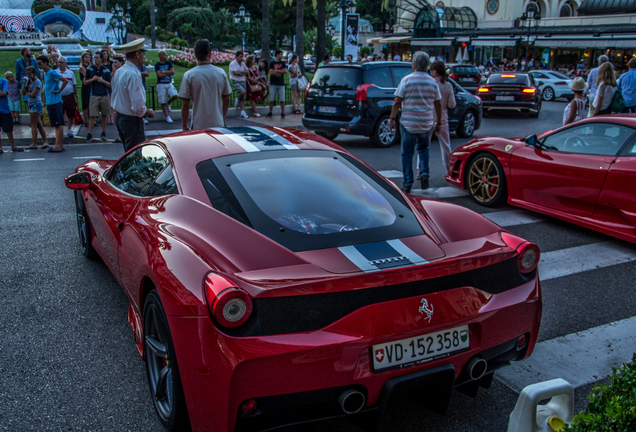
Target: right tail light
[
  {"x": 229, "y": 305},
  {"x": 528, "y": 254}
]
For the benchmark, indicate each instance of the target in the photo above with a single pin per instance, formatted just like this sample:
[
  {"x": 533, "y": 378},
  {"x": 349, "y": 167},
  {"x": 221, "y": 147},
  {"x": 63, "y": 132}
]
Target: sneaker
[
  {"x": 169, "y": 108},
  {"x": 70, "y": 134},
  {"x": 103, "y": 137},
  {"x": 89, "y": 138},
  {"x": 244, "y": 115},
  {"x": 424, "y": 182},
  {"x": 257, "y": 115},
  {"x": 282, "y": 115},
  {"x": 236, "y": 103},
  {"x": 269, "y": 114},
  {"x": 169, "y": 120},
  {"x": 146, "y": 121}
]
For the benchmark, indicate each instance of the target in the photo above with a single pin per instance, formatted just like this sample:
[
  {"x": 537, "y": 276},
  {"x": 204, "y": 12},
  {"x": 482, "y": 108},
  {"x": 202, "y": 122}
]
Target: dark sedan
[{"x": 511, "y": 91}]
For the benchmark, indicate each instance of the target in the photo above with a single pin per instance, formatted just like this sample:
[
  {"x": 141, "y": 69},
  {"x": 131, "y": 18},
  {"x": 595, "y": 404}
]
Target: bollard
[{"x": 529, "y": 416}]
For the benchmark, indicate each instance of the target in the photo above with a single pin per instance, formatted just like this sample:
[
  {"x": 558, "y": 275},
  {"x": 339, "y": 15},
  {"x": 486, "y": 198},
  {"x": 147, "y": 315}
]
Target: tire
[
  {"x": 467, "y": 124},
  {"x": 536, "y": 114},
  {"x": 548, "y": 94},
  {"x": 485, "y": 180},
  {"x": 382, "y": 137},
  {"x": 329, "y": 135},
  {"x": 84, "y": 228},
  {"x": 161, "y": 367}
]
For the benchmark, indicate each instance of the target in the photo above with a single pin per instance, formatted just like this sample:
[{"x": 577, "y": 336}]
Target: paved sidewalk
[{"x": 155, "y": 127}]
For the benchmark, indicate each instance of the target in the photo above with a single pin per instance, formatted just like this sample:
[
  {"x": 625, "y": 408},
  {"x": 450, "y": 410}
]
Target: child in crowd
[
  {"x": 14, "y": 96},
  {"x": 32, "y": 88}
]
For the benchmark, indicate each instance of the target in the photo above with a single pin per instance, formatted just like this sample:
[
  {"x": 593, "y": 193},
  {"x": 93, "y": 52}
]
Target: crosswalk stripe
[
  {"x": 513, "y": 217},
  {"x": 162, "y": 132},
  {"x": 578, "y": 259},
  {"x": 87, "y": 157},
  {"x": 579, "y": 358},
  {"x": 391, "y": 174},
  {"x": 28, "y": 160},
  {"x": 440, "y": 193}
]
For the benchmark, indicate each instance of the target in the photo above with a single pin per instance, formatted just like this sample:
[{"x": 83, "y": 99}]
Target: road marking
[
  {"x": 87, "y": 157},
  {"x": 162, "y": 132},
  {"x": 391, "y": 174},
  {"x": 578, "y": 259},
  {"x": 514, "y": 217},
  {"x": 440, "y": 193},
  {"x": 28, "y": 160},
  {"x": 579, "y": 358}
]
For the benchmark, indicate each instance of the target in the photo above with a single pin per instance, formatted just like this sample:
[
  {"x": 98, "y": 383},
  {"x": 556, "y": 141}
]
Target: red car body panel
[
  {"x": 171, "y": 243},
  {"x": 593, "y": 191}
]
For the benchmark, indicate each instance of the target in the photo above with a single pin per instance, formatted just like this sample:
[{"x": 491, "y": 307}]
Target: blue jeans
[{"x": 409, "y": 143}]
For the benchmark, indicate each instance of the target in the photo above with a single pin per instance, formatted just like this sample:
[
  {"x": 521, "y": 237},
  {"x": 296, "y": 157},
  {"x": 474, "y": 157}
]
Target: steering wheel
[{"x": 573, "y": 143}]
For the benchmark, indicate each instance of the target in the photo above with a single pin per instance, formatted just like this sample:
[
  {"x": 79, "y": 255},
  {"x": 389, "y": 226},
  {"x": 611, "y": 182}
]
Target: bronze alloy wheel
[{"x": 485, "y": 180}]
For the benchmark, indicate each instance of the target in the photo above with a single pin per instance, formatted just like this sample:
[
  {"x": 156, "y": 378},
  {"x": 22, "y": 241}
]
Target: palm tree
[
  {"x": 265, "y": 34},
  {"x": 153, "y": 27},
  {"x": 300, "y": 28},
  {"x": 321, "y": 41}
]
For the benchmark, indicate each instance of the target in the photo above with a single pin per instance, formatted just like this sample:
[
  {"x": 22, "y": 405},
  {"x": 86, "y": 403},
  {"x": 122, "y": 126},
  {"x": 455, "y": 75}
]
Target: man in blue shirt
[
  {"x": 166, "y": 92},
  {"x": 98, "y": 77},
  {"x": 6, "y": 120},
  {"x": 21, "y": 64},
  {"x": 627, "y": 85},
  {"x": 53, "y": 98}
]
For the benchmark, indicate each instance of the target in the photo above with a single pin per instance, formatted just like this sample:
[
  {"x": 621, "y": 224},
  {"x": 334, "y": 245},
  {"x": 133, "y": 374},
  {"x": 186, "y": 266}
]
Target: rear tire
[
  {"x": 536, "y": 115},
  {"x": 382, "y": 136},
  {"x": 329, "y": 135},
  {"x": 467, "y": 124},
  {"x": 84, "y": 228},
  {"x": 485, "y": 180}
]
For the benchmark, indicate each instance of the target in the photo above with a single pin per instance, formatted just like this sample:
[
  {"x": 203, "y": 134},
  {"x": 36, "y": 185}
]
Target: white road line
[
  {"x": 162, "y": 132},
  {"x": 391, "y": 174},
  {"x": 514, "y": 217},
  {"x": 578, "y": 259},
  {"x": 28, "y": 160},
  {"x": 440, "y": 193},
  {"x": 579, "y": 358},
  {"x": 87, "y": 157}
]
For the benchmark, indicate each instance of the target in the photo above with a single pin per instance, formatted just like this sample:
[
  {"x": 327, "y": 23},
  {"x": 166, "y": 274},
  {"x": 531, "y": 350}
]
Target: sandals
[
  {"x": 297, "y": 112},
  {"x": 44, "y": 146},
  {"x": 17, "y": 150}
]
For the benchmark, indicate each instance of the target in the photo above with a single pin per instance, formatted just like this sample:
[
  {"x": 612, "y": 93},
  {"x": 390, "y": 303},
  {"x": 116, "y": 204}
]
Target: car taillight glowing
[
  {"x": 529, "y": 90},
  {"x": 454, "y": 77},
  {"x": 483, "y": 90},
  {"x": 229, "y": 306},
  {"x": 528, "y": 253},
  {"x": 361, "y": 91},
  {"x": 307, "y": 91},
  {"x": 509, "y": 76}
]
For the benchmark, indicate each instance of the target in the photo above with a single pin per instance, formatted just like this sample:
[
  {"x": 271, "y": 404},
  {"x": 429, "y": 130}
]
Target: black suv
[
  {"x": 468, "y": 76},
  {"x": 356, "y": 99}
]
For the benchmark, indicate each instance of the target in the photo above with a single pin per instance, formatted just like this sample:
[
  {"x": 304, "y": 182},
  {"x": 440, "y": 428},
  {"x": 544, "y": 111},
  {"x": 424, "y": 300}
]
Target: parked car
[
  {"x": 274, "y": 279},
  {"x": 468, "y": 76},
  {"x": 356, "y": 99},
  {"x": 511, "y": 91},
  {"x": 582, "y": 173},
  {"x": 553, "y": 84},
  {"x": 310, "y": 63}
]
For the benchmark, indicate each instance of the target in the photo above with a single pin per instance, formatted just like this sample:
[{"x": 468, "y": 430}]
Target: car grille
[{"x": 281, "y": 315}]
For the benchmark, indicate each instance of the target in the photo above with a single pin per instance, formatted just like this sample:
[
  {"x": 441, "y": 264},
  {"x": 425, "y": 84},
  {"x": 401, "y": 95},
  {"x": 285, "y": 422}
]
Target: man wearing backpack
[{"x": 627, "y": 86}]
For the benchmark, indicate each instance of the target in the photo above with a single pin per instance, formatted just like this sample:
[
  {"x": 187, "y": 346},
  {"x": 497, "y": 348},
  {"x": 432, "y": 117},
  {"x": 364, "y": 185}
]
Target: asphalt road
[{"x": 67, "y": 358}]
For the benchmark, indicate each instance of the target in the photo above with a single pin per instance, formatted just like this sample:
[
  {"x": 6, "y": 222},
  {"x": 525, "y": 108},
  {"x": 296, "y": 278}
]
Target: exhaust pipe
[
  {"x": 476, "y": 368},
  {"x": 351, "y": 401}
]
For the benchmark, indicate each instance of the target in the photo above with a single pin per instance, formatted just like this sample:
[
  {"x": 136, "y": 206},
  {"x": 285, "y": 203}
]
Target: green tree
[
  {"x": 265, "y": 27},
  {"x": 200, "y": 19},
  {"x": 188, "y": 31}
]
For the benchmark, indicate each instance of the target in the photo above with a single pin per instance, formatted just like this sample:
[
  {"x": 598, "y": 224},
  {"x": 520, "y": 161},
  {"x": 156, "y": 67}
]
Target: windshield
[
  {"x": 560, "y": 75},
  {"x": 337, "y": 78},
  {"x": 508, "y": 79}
]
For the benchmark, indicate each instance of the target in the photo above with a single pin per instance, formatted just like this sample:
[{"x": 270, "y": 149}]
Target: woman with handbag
[
  {"x": 254, "y": 86},
  {"x": 606, "y": 82}
]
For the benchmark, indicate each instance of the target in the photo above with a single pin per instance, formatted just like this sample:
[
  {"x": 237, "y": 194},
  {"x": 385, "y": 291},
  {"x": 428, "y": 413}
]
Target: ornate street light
[
  {"x": 242, "y": 17},
  {"x": 526, "y": 21},
  {"x": 119, "y": 22}
]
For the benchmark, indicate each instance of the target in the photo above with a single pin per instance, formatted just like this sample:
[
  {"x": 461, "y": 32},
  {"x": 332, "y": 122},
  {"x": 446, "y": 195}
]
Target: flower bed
[{"x": 188, "y": 60}]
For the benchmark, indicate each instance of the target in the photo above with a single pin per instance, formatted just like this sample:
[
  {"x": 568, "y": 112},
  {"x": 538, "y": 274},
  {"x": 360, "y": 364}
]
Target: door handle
[
  {"x": 120, "y": 226},
  {"x": 609, "y": 160}
]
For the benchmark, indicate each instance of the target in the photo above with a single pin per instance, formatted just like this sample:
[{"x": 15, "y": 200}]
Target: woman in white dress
[{"x": 438, "y": 71}]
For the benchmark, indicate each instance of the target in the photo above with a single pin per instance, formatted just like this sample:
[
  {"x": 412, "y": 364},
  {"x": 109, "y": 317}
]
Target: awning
[
  {"x": 395, "y": 39},
  {"x": 375, "y": 41},
  {"x": 586, "y": 43},
  {"x": 494, "y": 42},
  {"x": 432, "y": 42}
]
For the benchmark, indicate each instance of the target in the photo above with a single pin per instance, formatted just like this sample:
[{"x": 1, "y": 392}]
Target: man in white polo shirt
[
  {"x": 69, "y": 94},
  {"x": 419, "y": 97}
]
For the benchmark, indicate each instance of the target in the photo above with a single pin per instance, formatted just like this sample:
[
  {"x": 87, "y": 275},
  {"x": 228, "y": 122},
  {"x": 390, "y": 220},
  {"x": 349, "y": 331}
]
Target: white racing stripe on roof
[
  {"x": 276, "y": 137},
  {"x": 245, "y": 144},
  {"x": 404, "y": 250},
  {"x": 514, "y": 217},
  {"x": 578, "y": 259},
  {"x": 579, "y": 358},
  {"x": 358, "y": 259},
  {"x": 28, "y": 160}
]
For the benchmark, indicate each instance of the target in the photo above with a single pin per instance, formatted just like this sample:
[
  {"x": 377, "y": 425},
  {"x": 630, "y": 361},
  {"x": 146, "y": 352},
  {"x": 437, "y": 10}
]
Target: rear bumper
[
  {"x": 356, "y": 126},
  {"x": 509, "y": 106},
  {"x": 296, "y": 378}
]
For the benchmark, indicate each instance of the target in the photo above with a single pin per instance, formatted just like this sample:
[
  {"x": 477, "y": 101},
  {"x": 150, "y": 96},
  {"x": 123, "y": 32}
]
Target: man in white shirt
[
  {"x": 129, "y": 97},
  {"x": 592, "y": 87},
  {"x": 208, "y": 88},
  {"x": 238, "y": 79},
  {"x": 69, "y": 94}
]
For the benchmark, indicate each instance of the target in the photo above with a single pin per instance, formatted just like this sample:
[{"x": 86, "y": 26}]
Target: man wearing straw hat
[{"x": 129, "y": 97}]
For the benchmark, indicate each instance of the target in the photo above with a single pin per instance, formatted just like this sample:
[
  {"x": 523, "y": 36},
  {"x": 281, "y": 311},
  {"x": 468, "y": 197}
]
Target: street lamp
[
  {"x": 242, "y": 17},
  {"x": 119, "y": 22},
  {"x": 344, "y": 7},
  {"x": 527, "y": 18}
]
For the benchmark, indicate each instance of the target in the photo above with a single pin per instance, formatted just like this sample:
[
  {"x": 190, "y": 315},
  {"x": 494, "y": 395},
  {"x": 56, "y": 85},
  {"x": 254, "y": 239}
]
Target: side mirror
[
  {"x": 78, "y": 181},
  {"x": 531, "y": 139},
  {"x": 539, "y": 84}
]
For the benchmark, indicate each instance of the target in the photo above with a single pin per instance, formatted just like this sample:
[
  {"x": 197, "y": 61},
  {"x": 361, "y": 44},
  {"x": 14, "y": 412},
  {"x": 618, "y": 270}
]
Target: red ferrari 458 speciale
[
  {"x": 275, "y": 279},
  {"x": 582, "y": 173}
]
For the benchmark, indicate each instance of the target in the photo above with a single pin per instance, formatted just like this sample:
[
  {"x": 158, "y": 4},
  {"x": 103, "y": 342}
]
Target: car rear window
[
  {"x": 465, "y": 70},
  {"x": 337, "y": 78},
  {"x": 381, "y": 77},
  {"x": 559, "y": 75},
  {"x": 508, "y": 79}
]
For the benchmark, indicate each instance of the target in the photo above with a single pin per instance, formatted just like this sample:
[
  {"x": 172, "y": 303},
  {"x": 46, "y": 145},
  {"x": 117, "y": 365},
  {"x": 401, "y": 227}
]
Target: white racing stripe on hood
[
  {"x": 245, "y": 144},
  {"x": 276, "y": 137}
]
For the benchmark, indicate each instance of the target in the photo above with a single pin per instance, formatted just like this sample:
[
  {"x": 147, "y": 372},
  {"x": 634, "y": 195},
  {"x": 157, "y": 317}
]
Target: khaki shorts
[
  {"x": 277, "y": 90},
  {"x": 165, "y": 92},
  {"x": 100, "y": 104}
]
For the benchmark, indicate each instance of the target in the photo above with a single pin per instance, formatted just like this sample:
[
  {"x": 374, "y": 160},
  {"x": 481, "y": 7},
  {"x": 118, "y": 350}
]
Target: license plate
[
  {"x": 324, "y": 109},
  {"x": 505, "y": 98},
  {"x": 420, "y": 349},
  {"x": 468, "y": 79}
]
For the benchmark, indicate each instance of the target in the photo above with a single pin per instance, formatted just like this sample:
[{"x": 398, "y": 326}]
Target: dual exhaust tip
[{"x": 476, "y": 368}]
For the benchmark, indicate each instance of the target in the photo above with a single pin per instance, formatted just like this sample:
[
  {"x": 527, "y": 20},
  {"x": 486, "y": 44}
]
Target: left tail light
[
  {"x": 229, "y": 306},
  {"x": 307, "y": 90},
  {"x": 361, "y": 91},
  {"x": 528, "y": 254},
  {"x": 529, "y": 90}
]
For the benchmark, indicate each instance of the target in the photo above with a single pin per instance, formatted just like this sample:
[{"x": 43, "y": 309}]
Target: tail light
[
  {"x": 529, "y": 90},
  {"x": 528, "y": 253},
  {"x": 454, "y": 77},
  {"x": 560, "y": 83},
  {"x": 478, "y": 78},
  {"x": 229, "y": 306},
  {"x": 361, "y": 91},
  {"x": 483, "y": 90},
  {"x": 307, "y": 90}
]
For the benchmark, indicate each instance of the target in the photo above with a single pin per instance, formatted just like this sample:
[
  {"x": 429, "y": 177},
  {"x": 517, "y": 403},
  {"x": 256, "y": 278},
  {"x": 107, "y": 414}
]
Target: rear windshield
[
  {"x": 337, "y": 78},
  {"x": 465, "y": 70},
  {"x": 559, "y": 75},
  {"x": 508, "y": 79}
]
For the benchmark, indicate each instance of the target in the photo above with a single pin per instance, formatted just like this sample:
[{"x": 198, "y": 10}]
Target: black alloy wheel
[
  {"x": 84, "y": 228},
  {"x": 485, "y": 180},
  {"x": 383, "y": 136},
  {"x": 467, "y": 124},
  {"x": 329, "y": 135},
  {"x": 161, "y": 367}
]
